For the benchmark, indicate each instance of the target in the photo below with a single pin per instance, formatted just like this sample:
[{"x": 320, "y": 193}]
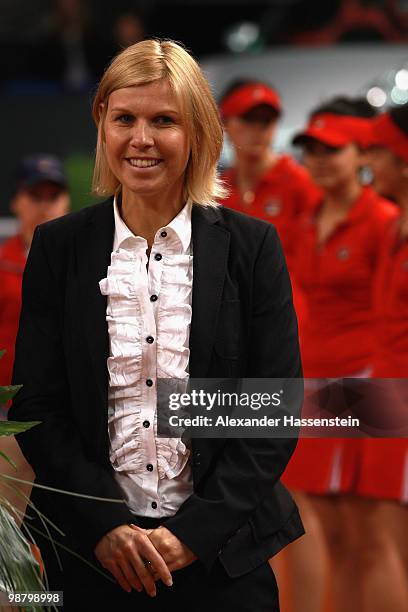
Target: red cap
[
  {"x": 247, "y": 97},
  {"x": 337, "y": 130},
  {"x": 387, "y": 134}
]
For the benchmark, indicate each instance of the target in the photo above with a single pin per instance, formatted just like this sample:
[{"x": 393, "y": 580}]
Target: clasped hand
[{"x": 137, "y": 557}]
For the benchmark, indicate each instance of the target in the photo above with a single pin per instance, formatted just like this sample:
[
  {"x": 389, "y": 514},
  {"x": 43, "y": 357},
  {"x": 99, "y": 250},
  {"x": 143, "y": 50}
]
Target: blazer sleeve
[
  {"x": 248, "y": 468},
  {"x": 54, "y": 448}
]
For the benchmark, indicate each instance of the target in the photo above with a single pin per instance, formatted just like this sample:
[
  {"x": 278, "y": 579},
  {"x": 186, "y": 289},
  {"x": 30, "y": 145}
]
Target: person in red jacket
[
  {"x": 380, "y": 506},
  {"x": 263, "y": 183},
  {"x": 389, "y": 162},
  {"x": 41, "y": 194},
  {"x": 335, "y": 263}
]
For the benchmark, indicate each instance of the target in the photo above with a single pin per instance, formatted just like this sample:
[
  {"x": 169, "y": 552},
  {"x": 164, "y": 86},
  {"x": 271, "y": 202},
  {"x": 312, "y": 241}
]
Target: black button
[
  {"x": 157, "y": 257},
  {"x": 153, "y": 298},
  {"x": 154, "y": 505},
  {"x": 146, "y": 424},
  {"x": 149, "y": 467},
  {"x": 149, "y": 382},
  {"x": 163, "y": 234},
  {"x": 150, "y": 339}
]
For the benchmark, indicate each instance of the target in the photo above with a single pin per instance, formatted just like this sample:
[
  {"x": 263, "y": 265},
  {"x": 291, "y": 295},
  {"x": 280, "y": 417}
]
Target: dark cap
[{"x": 40, "y": 168}]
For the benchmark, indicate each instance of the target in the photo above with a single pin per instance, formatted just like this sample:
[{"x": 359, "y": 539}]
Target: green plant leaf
[
  {"x": 64, "y": 491},
  {"x": 10, "y": 461},
  {"x": 9, "y": 428},
  {"x": 19, "y": 571},
  {"x": 6, "y": 393}
]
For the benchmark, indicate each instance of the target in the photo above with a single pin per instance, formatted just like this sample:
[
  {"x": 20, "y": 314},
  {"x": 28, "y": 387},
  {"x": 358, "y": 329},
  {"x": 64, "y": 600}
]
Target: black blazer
[{"x": 243, "y": 324}]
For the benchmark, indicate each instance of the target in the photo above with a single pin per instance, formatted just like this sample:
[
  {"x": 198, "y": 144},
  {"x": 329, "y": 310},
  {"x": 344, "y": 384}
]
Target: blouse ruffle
[{"x": 128, "y": 292}]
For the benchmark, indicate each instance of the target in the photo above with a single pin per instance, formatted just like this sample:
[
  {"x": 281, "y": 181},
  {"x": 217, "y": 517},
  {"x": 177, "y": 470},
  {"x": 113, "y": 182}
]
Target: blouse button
[
  {"x": 153, "y": 298},
  {"x": 146, "y": 424},
  {"x": 163, "y": 234},
  {"x": 149, "y": 382},
  {"x": 149, "y": 467},
  {"x": 154, "y": 505},
  {"x": 158, "y": 257},
  {"x": 150, "y": 339}
]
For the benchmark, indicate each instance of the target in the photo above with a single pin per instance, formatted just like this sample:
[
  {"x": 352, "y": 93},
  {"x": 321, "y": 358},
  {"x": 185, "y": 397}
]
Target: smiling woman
[
  {"x": 171, "y": 93},
  {"x": 156, "y": 282},
  {"x": 146, "y": 144}
]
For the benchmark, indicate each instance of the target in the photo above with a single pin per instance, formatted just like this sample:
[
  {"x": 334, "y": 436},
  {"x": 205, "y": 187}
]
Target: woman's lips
[{"x": 143, "y": 162}]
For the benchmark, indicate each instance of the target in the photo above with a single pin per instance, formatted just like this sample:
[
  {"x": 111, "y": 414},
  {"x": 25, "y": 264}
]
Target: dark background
[{"x": 54, "y": 51}]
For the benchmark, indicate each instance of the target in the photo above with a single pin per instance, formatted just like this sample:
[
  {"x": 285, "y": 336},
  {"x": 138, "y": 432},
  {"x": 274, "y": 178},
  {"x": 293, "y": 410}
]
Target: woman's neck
[
  {"x": 343, "y": 197},
  {"x": 249, "y": 169},
  {"x": 144, "y": 216},
  {"x": 248, "y": 173}
]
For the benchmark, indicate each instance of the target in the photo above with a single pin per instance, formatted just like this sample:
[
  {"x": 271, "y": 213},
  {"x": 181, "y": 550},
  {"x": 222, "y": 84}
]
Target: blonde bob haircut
[{"x": 148, "y": 61}]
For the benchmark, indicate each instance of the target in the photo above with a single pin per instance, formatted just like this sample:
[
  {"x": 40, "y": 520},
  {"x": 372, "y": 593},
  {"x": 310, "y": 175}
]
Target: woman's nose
[{"x": 142, "y": 135}]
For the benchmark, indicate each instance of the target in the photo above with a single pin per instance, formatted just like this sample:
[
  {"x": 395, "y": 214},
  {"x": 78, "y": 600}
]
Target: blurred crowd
[
  {"x": 65, "y": 44},
  {"x": 342, "y": 217}
]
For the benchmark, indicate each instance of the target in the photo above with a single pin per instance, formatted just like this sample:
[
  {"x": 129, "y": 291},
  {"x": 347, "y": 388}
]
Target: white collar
[{"x": 180, "y": 225}]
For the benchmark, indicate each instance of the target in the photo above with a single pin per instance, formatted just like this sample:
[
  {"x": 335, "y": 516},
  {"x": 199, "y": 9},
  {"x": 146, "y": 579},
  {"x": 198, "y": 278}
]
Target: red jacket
[
  {"x": 282, "y": 194},
  {"x": 12, "y": 261},
  {"x": 391, "y": 308},
  {"x": 337, "y": 281}
]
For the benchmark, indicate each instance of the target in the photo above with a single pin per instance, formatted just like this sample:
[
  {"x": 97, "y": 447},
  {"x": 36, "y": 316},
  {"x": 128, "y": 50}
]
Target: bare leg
[
  {"x": 367, "y": 569},
  {"x": 399, "y": 533},
  {"x": 338, "y": 529},
  {"x": 278, "y": 564},
  {"x": 382, "y": 527},
  {"x": 301, "y": 569}
]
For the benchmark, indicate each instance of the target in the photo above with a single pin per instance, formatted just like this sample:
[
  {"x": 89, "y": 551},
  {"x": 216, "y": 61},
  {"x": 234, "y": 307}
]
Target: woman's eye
[
  {"x": 124, "y": 119},
  {"x": 164, "y": 120}
]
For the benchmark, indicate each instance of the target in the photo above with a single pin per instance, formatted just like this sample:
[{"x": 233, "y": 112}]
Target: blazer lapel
[
  {"x": 210, "y": 256},
  {"x": 94, "y": 249}
]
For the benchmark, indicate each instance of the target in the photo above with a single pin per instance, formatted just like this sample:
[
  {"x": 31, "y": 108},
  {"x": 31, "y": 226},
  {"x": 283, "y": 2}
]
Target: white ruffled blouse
[{"x": 149, "y": 316}]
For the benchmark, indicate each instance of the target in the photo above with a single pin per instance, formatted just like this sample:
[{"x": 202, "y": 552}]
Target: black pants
[{"x": 193, "y": 590}]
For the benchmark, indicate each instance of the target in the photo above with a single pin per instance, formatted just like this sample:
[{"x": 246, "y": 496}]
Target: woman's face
[
  {"x": 146, "y": 140},
  {"x": 37, "y": 204},
  {"x": 389, "y": 171},
  {"x": 251, "y": 134},
  {"x": 331, "y": 168}
]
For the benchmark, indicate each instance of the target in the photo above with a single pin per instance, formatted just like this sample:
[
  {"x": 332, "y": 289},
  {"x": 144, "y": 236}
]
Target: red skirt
[
  {"x": 323, "y": 466},
  {"x": 370, "y": 467},
  {"x": 383, "y": 469}
]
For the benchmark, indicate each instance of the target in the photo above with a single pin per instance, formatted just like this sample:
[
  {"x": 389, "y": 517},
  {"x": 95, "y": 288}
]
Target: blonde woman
[{"x": 155, "y": 282}]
